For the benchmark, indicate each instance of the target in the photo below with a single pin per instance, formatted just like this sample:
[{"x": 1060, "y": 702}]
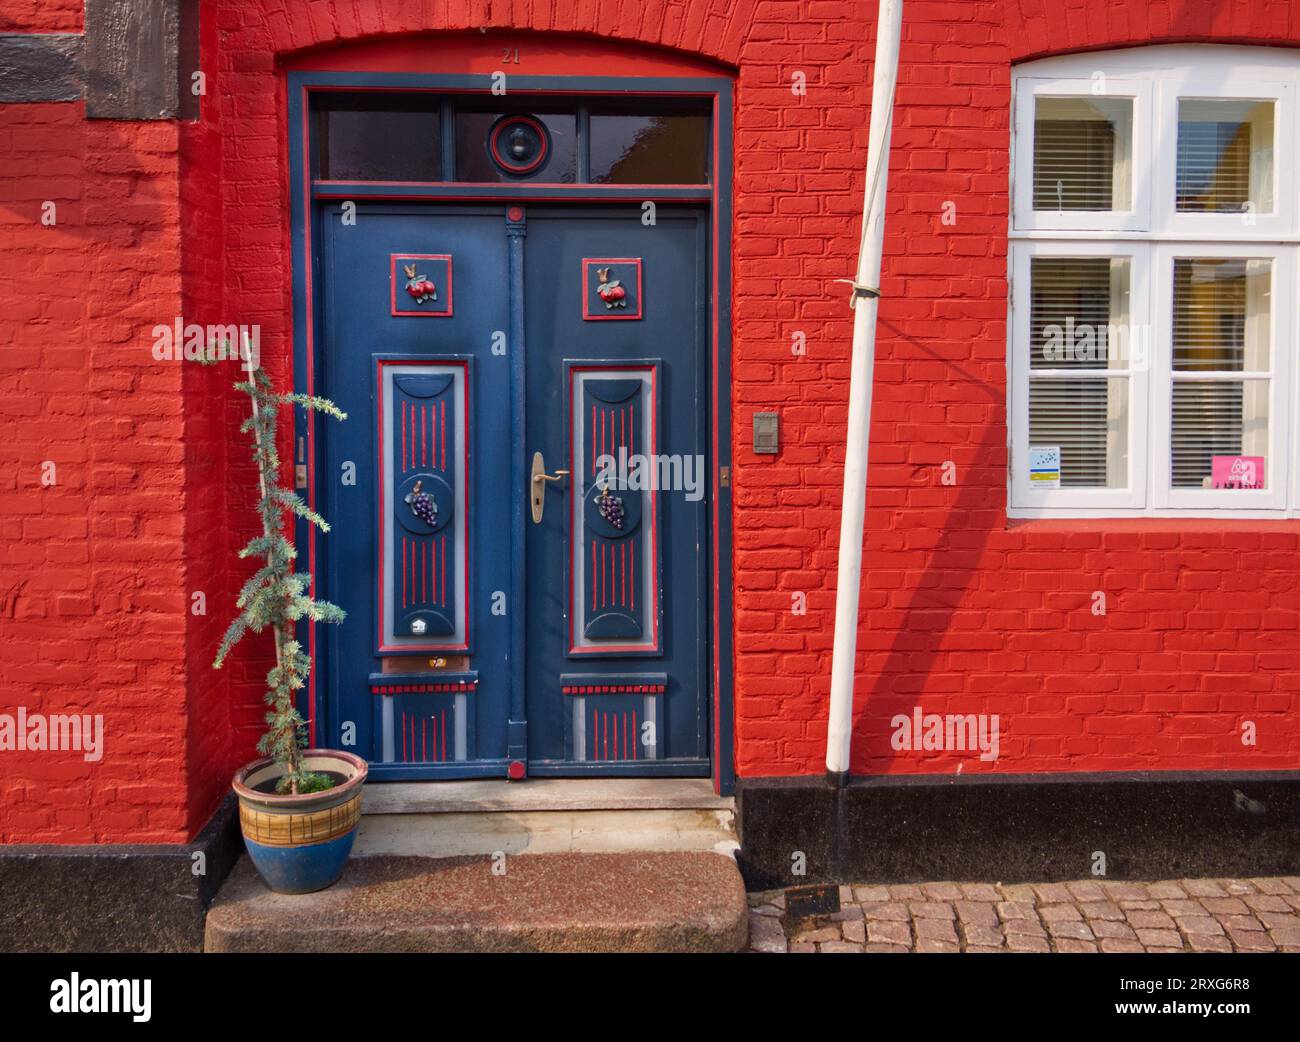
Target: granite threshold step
[
  {"x": 545, "y": 816},
  {"x": 610, "y": 902},
  {"x": 543, "y": 794}
]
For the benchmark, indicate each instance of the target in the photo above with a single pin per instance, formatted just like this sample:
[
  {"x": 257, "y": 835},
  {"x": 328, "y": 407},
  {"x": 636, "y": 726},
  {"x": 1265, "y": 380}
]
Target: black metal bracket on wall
[{"x": 136, "y": 60}]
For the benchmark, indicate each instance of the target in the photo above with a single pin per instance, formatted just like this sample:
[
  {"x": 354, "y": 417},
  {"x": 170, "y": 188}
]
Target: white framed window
[
  {"x": 1153, "y": 284},
  {"x": 1080, "y": 168}
]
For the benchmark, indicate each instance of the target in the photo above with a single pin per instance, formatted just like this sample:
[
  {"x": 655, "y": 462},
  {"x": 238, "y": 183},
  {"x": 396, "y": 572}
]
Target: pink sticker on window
[{"x": 1237, "y": 472}]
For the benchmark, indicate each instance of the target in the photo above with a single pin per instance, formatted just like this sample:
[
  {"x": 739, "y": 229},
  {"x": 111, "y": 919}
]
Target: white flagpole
[{"x": 865, "y": 306}]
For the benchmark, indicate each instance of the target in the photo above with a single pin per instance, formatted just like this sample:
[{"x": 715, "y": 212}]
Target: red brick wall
[
  {"x": 90, "y": 567},
  {"x": 41, "y": 16},
  {"x": 963, "y": 612},
  {"x": 212, "y": 440}
]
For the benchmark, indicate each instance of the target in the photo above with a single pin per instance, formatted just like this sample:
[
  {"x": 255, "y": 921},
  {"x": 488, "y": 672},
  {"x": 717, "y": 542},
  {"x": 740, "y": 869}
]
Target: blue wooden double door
[{"x": 519, "y": 496}]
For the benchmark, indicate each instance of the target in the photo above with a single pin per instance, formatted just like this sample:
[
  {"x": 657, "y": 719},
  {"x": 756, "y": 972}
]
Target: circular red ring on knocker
[{"x": 503, "y": 126}]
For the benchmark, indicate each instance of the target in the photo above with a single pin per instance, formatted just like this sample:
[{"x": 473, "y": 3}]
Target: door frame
[{"x": 306, "y": 195}]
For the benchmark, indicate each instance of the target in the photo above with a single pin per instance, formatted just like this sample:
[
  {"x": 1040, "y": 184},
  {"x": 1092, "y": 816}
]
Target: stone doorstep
[
  {"x": 543, "y": 794},
  {"x": 546, "y": 832},
  {"x": 676, "y": 902},
  {"x": 545, "y": 816}
]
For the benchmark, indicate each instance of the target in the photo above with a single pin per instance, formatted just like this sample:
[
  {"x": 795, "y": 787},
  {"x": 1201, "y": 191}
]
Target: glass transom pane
[
  {"x": 474, "y": 160},
  {"x": 1225, "y": 156},
  {"x": 1083, "y": 151},
  {"x": 378, "y": 137},
  {"x": 630, "y": 148}
]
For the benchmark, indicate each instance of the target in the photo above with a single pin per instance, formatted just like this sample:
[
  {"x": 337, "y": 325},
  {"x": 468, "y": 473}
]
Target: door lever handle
[{"x": 538, "y": 485}]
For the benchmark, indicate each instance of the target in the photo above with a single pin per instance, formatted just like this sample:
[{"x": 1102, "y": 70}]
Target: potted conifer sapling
[{"x": 298, "y": 807}]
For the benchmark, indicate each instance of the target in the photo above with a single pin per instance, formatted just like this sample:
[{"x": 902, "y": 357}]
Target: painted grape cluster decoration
[
  {"x": 422, "y": 505},
  {"x": 611, "y": 508}
]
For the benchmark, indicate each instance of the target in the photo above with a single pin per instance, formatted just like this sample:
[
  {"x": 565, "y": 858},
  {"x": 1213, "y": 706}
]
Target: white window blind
[
  {"x": 1221, "y": 309},
  {"x": 1081, "y": 154},
  {"x": 1078, "y": 401},
  {"x": 1225, "y": 156}
]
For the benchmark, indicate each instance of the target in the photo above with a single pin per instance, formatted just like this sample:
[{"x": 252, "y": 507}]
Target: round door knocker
[{"x": 518, "y": 145}]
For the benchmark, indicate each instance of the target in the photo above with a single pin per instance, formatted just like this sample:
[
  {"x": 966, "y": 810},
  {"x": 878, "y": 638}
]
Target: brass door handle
[{"x": 538, "y": 485}]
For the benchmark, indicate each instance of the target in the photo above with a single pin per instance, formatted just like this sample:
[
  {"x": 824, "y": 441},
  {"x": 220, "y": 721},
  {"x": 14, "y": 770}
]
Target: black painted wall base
[
  {"x": 1018, "y": 828},
  {"x": 115, "y": 897}
]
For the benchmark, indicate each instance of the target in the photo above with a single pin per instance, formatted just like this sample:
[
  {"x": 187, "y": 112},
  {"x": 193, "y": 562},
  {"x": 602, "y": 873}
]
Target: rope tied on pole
[{"x": 859, "y": 291}]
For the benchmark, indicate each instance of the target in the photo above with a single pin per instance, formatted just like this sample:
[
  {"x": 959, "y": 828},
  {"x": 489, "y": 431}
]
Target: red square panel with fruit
[
  {"x": 421, "y": 284},
  {"x": 611, "y": 288}
]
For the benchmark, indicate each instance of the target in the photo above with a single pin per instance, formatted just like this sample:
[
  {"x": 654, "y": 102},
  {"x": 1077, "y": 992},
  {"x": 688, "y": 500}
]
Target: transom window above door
[
  {"x": 483, "y": 139},
  {"x": 1154, "y": 284}
]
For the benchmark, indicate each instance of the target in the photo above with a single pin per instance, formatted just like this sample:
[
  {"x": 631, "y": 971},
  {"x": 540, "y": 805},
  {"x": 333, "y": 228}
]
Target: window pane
[
  {"x": 1221, "y": 314},
  {"x": 649, "y": 149},
  {"x": 1223, "y": 419},
  {"x": 1225, "y": 156},
  {"x": 1088, "y": 418},
  {"x": 474, "y": 160},
  {"x": 1083, "y": 151},
  {"x": 378, "y": 137},
  {"x": 1079, "y": 314}
]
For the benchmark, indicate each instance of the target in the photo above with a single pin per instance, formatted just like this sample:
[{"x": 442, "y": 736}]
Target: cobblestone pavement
[{"x": 1186, "y": 915}]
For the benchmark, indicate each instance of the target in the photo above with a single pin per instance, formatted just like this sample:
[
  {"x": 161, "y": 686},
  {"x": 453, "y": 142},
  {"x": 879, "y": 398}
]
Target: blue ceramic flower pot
[{"x": 300, "y": 844}]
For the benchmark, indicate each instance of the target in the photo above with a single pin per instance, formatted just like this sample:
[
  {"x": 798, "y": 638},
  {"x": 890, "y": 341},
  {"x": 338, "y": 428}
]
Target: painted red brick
[{"x": 962, "y": 610}]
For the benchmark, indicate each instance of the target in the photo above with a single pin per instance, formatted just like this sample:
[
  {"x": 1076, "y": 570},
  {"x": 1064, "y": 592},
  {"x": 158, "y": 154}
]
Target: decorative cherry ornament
[
  {"x": 611, "y": 292},
  {"x": 419, "y": 287}
]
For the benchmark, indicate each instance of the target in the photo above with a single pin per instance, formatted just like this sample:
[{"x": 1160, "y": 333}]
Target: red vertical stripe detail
[
  {"x": 424, "y": 435},
  {"x": 604, "y": 746},
  {"x": 403, "y": 434},
  {"x": 424, "y": 572},
  {"x": 625, "y": 755},
  {"x": 631, "y": 554},
  {"x": 622, "y": 436},
  {"x": 594, "y": 603},
  {"x": 404, "y": 756},
  {"x": 442, "y": 438},
  {"x": 403, "y": 571},
  {"x": 593, "y": 442},
  {"x": 636, "y": 736},
  {"x": 424, "y": 739},
  {"x": 433, "y": 434},
  {"x": 443, "y": 599},
  {"x": 444, "y": 734}
]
